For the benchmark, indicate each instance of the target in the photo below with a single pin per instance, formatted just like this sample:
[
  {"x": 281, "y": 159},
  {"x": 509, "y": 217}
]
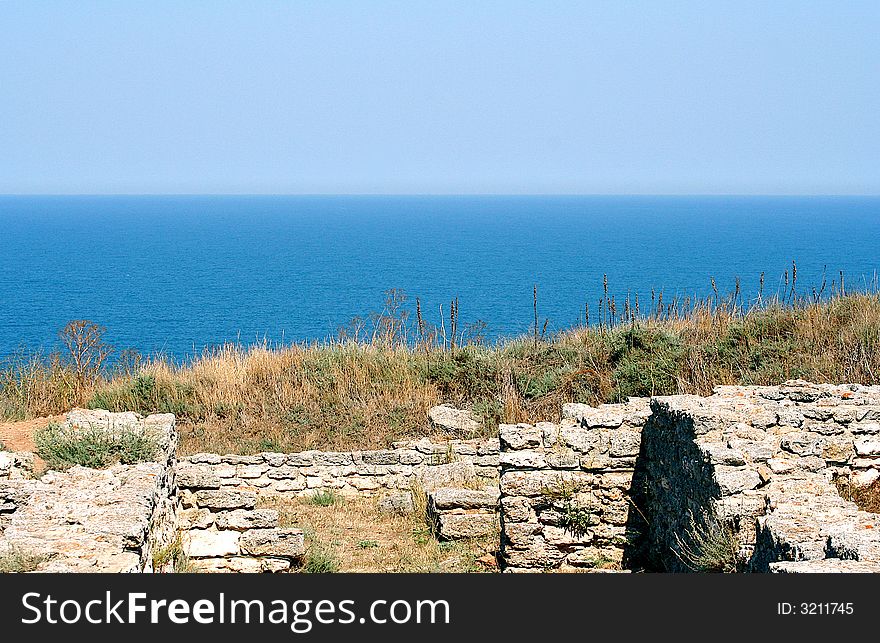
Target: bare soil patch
[
  {"x": 353, "y": 535},
  {"x": 19, "y": 436}
]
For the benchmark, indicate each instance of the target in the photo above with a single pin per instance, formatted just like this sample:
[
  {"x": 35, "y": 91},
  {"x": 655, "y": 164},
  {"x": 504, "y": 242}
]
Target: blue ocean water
[{"x": 175, "y": 274}]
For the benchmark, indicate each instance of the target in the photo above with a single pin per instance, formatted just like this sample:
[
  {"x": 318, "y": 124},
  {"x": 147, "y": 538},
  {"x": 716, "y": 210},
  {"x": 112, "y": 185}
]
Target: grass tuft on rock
[
  {"x": 19, "y": 561},
  {"x": 63, "y": 447}
]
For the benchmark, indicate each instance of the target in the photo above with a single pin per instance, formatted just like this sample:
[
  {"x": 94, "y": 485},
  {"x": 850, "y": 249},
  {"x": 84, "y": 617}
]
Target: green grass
[
  {"x": 63, "y": 447},
  {"x": 173, "y": 556},
  {"x": 319, "y": 560},
  {"x": 365, "y": 394},
  {"x": 709, "y": 545},
  {"x": 324, "y": 498},
  {"x": 20, "y": 561}
]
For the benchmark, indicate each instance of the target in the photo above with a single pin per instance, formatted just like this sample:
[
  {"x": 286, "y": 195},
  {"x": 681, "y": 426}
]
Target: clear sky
[{"x": 440, "y": 97}]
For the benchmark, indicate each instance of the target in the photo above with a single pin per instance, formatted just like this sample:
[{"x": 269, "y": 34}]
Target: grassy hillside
[{"x": 367, "y": 390}]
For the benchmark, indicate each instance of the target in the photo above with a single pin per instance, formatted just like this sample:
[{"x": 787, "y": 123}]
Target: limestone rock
[
  {"x": 868, "y": 446},
  {"x": 519, "y": 436},
  {"x": 226, "y": 499},
  {"x": 285, "y": 543},
  {"x": 451, "y": 498},
  {"x": 192, "y": 476},
  {"x": 241, "y": 519},
  {"x": 204, "y": 544},
  {"x": 457, "y": 526},
  {"x": 397, "y": 502},
  {"x": 444, "y": 475},
  {"x": 454, "y": 421}
]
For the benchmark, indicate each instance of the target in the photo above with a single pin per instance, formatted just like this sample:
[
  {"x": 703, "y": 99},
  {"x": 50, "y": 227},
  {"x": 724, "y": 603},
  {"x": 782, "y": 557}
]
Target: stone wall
[
  {"x": 15, "y": 465},
  {"x": 743, "y": 479},
  {"x": 463, "y": 513},
  {"x": 565, "y": 488},
  {"x": 90, "y": 520},
  {"x": 408, "y": 464},
  {"x": 752, "y": 470},
  {"x": 224, "y": 532}
]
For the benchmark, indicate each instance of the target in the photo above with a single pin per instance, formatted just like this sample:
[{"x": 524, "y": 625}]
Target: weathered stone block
[
  {"x": 868, "y": 446},
  {"x": 519, "y": 436},
  {"x": 226, "y": 499},
  {"x": 454, "y": 421},
  {"x": 241, "y": 520},
  {"x": 274, "y": 459},
  {"x": 733, "y": 480},
  {"x": 203, "y": 543},
  {"x": 195, "y": 518},
  {"x": 517, "y": 509},
  {"x": 451, "y": 498},
  {"x": 457, "y": 526},
  {"x": 397, "y": 502},
  {"x": 286, "y": 543},
  {"x": 525, "y": 459},
  {"x": 381, "y": 457},
  {"x": 625, "y": 443},
  {"x": 197, "y": 477}
]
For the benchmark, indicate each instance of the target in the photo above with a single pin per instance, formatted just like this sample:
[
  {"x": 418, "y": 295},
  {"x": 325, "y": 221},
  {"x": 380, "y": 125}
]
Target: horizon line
[{"x": 445, "y": 194}]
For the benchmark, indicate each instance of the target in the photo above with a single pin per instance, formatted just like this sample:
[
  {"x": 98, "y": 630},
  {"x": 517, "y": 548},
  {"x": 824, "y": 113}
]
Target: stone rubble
[
  {"x": 453, "y": 421},
  {"x": 87, "y": 520},
  {"x": 631, "y": 486}
]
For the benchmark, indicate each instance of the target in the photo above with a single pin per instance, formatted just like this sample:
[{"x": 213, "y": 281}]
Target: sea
[{"x": 175, "y": 275}]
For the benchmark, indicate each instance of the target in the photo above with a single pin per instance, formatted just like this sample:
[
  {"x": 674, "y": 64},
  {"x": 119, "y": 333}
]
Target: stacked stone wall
[
  {"x": 565, "y": 488},
  {"x": 96, "y": 520},
  {"x": 407, "y": 465}
]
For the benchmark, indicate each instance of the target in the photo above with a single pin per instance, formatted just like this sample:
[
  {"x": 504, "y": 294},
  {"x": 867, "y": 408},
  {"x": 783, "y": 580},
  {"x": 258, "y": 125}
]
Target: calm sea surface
[{"x": 175, "y": 274}]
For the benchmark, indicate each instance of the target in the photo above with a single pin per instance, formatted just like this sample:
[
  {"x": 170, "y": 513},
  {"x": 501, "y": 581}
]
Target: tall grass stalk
[{"x": 375, "y": 383}]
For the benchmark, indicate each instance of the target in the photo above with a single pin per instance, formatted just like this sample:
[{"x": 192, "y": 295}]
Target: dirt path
[{"x": 19, "y": 436}]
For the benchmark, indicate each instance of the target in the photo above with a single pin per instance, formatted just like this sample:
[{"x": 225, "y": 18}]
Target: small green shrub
[
  {"x": 63, "y": 447},
  {"x": 319, "y": 560},
  {"x": 646, "y": 362},
  {"x": 20, "y": 561},
  {"x": 710, "y": 545},
  {"x": 367, "y": 544},
  {"x": 324, "y": 498},
  {"x": 146, "y": 394},
  {"x": 173, "y": 554},
  {"x": 573, "y": 517}
]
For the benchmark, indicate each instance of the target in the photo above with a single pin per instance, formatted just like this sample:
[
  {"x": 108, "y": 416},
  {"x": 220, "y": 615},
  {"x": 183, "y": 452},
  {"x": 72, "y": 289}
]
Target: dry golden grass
[
  {"x": 867, "y": 498},
  {"x": 346, "y": 395},
  {"x": 357, "y": 537}
]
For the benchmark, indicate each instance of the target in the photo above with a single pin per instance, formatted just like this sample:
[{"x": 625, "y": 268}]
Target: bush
[
  {"x": 173, "y": 557},
  {"x": 710, "y": 545},
  {"x": 319, "y": 560},
  {"x": 468, "y": 374},
  {"x": 324, "y": 498},
  {"x": 146, "y": 394},
  {"x": 63, "y": 447},
  {"x": 646, "y": 362},
  {"x": 19, "y": 561}
]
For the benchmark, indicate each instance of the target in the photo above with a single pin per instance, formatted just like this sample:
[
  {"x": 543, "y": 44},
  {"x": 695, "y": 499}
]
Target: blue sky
[{"x": 440, "y": 97}]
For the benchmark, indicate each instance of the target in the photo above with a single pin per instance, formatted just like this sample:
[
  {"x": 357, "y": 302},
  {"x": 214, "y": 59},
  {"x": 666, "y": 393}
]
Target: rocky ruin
[{"x": 743, "y": 480}]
